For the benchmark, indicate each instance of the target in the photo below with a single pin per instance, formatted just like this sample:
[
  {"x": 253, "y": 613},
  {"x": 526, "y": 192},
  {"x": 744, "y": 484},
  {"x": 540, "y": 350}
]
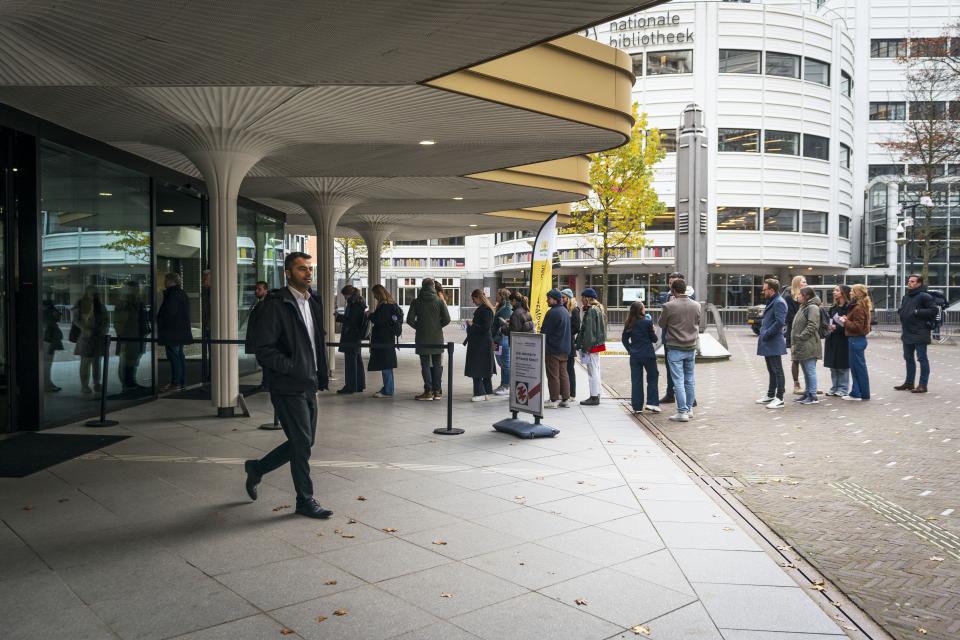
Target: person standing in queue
[
  {"x": 668, "y": 396},
  {"x": 793, "y": 305},
  {"x": 387, "y": 325},
  {"x": 353, "y": 320},
  {"x": 805, "y": 338},
  {"x": 570, "y": 302},
  {"x": 772, "y": 343},
  {"x": 289, "y": 343},
  {"x": 428, "y": 316},
  {"x": 501, "y": 340},
  {"x": 916, "y": 310},
  {"x": 856, "y": 324},
  {"x": 556, "y": 329},
  {"x": 592, "y": 341},
  {"x": 480, "y": 365},
  {"x": 680, "y": 320},
  {"x": 639, "y": 338},
  {"x": 836, "y": 356},
  {"x": 173, "y": 329}
]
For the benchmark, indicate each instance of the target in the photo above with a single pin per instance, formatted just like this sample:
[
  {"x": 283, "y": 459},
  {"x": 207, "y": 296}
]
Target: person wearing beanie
[
  {"x": 592, "y": 341},
  {"x": 556, "y": 329},
  {"x": 569, "y": 301}
]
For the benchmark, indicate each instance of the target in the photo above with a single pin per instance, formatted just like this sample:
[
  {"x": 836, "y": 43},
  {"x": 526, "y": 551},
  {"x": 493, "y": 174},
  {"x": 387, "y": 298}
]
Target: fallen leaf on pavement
[
  {"x": 539, "y": 478},
  {"x": 347, "y": 535},
  {"x": 440, "y": 542},
  {"x": 330, "y": 582},
  {"x": 818, "y": 585},
  {"x": 581, "y": 602},
  {"x": 351, "y": 521},
  {"x": 446, "y": 595},
  {"x": 784, "y": 547},
  {"x": 788, "y": 565},
  {"x": 931, "y": 518},
  {"x": 389, "y": 530},
  {"x": 339, "y": 612},
  {"x": 338, "y": 531},
  {"x": 321, "y": 618},
  {"x": 640, "y": 630},
  {"x": 728, "y": 529},
  {"x": 361, "y": 498},
  {"x": 921, "y": 631},
  {"x": 836, "y": 603},
  {"x": 580, "y": 481},
  {"x": 281, "y": 507},
  {"x": 62, "y": 500},
  {"x": 936, "y": 558},
  {"x": 286, "y": 632},
  {"x": 28, "y": 508}
]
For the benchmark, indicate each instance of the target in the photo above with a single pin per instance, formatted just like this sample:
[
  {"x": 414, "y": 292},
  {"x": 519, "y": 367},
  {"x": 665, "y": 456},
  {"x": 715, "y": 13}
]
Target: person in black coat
[
  {"x": 792, "y": 298},
  {"x": 353, "y": 319},
  {"x": 916, "y": 308},
  {"x": 173, "y": 329},
  {"x": 836, "y": 348},
  {"x": 570, "y": 302},
  {"x": 288, "y": 340},
  {"x": 639, "y": 338},
  {"x": 387, "y": 324},
  {"x": 480, "y": 365},
  {"x": 52, "y": 339},
  {"x": 556, "y": 329}
]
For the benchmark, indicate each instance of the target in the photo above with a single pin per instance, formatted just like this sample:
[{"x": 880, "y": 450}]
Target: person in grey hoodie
[{"x": 805, "y": 344}]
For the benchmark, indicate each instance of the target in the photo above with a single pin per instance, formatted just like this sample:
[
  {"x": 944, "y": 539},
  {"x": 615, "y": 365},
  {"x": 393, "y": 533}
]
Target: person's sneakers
[
  {"x": 253, "y": 478},
  {"x": 776, "y": 403},
  {"x": 312, "y": 509},
  {"x": 852, "y": 398},
  {"x": 426, "y": 395},
  {"x": 592, "y": 401},
  {"x": 906, "y": 386},
  {"x": 765, "y": 400},
  {"x": 437, "y": 394},
  {"x": 797, "y": 389},
  {"x": 502, "y": 390},
  {"x": 810, "y": 399},
  {"x": 344, "y": 391},
  {"x": 381, "y": 394},
  {"x": 550, "y": 404},
  {"x": 690, "y": 413},
  {"x": 86, "y": 390},
  {"x": 653, "y": 408},
  {"x": 920, "y": 389},
  {"x": 831, "y": 393},
  {"x": 680, "y": 417},
  {"x": 800, "y": 398},
  {"x": 478, "y": 398},
  {"x": 667, "y": 400},
  {"x": 564, "y": 404}
]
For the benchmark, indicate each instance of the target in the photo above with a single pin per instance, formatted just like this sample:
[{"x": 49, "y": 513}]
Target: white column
[
  {"x": 223, "y": 170},
  {"x": 374, "y": 235}
]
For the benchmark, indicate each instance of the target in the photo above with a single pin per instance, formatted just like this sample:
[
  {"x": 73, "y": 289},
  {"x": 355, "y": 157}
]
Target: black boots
[
  {"x": 591, "y": 401},
  {"x": 253, "y": 478}
]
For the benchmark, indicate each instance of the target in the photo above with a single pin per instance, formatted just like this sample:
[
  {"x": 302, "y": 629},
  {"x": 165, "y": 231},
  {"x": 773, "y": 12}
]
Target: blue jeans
[
  {"x": 637, "y": 366},
  {"x": 681, "y": 372},
  {"x": 860, "y": 388},
  {"x": 503, "y": 360},
  {"x": 178, "y": 365},
  {"x": 387, "y": 375},
  {"x": 432, "y": 371},
  {"x": 840, "y": 381},
  {"x": 810, "y": 376},
  {"x": 921, "y": 354}
]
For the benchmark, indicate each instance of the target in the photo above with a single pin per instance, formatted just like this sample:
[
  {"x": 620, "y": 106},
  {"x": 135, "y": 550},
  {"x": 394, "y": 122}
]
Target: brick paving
[{"x": 868, "y": 492}]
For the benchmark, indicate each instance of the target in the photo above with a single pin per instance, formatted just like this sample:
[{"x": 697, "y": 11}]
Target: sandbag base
[{"x": 524, "y": 429}]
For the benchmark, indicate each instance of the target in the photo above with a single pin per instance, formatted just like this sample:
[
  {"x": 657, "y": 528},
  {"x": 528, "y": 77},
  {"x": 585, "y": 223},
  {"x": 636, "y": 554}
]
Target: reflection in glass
[
  {"x": 737, "y": 219},
  {"x": 738, "y": 140},
  {"x": 783, "y": 64},
  {"x": 782, "y": 142},
  {"x": 815, "y": 221},
  {"x": 739, "y": 61},
  {"x": 816, "y": 71},
  {"x": 669, "y": 62},
  {"x": 816, "y": 147},
  {"x": 780, "y": 219}
]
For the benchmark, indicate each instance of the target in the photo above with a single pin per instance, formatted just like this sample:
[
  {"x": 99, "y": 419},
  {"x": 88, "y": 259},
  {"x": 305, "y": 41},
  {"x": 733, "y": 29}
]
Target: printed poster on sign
[{"x": 526, "y": 372}]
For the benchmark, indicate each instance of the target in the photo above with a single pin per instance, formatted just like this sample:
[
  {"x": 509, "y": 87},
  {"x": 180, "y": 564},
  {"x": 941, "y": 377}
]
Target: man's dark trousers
[
  {"x": 298, "y": 417},
  {"x": 775, "y": 370},
  {"x": 669, "y": 392}
]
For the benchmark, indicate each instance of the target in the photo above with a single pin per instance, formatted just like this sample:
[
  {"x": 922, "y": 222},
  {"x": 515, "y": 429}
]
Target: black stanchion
[
  {"x": 103, "y": 422},
  {"x": 449, "y": 430}
]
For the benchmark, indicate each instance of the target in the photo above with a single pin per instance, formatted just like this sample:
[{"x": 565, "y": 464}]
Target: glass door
[{"x": 5, "y": 414}]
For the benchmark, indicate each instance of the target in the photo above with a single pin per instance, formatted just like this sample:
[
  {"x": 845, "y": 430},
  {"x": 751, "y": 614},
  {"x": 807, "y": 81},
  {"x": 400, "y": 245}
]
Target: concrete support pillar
[
  {"x": 374, "y": 235},
  {"x": 223, "y": 170}
]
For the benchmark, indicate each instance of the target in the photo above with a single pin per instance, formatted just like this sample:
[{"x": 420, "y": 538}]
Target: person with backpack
[
  {"x": 501, "y": 340},
  {"x": 428, "y": 316},
  {"x": 520, "y": 319},
  {"x": 592, "y": 341},
  {"x": 918, "y": 314},
  {"x": 805, "y": 346},
  {"x": 354, "y": 324},
  {"x": 386, "y": 322}
]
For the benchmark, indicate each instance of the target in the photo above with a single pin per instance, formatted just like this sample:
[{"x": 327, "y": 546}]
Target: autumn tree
[
  {"x": 622, "y": 201},
  {"x": 929, "y": 136},
  {"x": 351, "y": 257}
]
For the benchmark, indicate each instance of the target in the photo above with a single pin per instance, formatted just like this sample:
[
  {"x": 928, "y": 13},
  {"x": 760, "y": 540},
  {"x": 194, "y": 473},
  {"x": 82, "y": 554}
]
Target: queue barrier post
[
  {"x": 449, "y": 430},
  {"x": 102, "y": 421}
]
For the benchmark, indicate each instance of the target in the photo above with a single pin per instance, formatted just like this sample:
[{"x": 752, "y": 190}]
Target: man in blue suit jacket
[{"x": 771, "y": 343}]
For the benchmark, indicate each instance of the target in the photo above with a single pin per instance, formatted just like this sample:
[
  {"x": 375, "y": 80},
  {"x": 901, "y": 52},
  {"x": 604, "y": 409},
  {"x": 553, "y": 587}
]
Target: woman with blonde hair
[
  {"x": 386, "y": 326},
  {"x": 793, "y": 305},
  {"x": 479, "y": 364},
  {"x": 856, "y": 326}
]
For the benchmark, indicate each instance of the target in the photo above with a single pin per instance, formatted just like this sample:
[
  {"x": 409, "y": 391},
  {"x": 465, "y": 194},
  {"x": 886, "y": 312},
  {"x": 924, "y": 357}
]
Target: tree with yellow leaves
[{"x": 622, "y": 201}]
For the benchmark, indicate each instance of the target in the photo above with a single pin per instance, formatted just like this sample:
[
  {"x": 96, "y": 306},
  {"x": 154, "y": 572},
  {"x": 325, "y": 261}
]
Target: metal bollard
[
  {"x": 449, "y": 430},
  {"x": 103, "y": 422}
]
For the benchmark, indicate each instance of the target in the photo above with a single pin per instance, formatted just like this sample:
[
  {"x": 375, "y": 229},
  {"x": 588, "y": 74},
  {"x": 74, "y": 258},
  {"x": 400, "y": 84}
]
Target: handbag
[{"x": 74, "y": 333}]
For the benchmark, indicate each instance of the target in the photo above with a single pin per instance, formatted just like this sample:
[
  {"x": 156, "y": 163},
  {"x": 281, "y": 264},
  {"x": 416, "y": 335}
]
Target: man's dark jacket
[
  {"x": 556, "y": 328},
  {"x": 915, "y": 309},
  {"x": 282, "y": 344},
  {"x": 173, "y": 318},
  {"x": 351, "y": 331}
]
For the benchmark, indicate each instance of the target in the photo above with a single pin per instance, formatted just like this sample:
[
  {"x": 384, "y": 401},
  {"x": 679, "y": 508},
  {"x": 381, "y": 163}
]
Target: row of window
[
  {"x": 784, "y": 65},
  {"x": 778, "y": 142},
  {"x": 939, "y": 171},
  {"x": 659, "y": 63},
  {"x": 924, "y": 47},
  {"x": 454, "y": 241},
  {"x": 423, "y": 263},
  {"x": 777, "y": 219},
  {"x": 924, "y": 110}
]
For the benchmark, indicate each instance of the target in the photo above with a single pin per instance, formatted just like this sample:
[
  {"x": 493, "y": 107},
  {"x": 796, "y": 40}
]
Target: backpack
[
  {"x": 397, "y": 320},
  {"x": 824, "y": 328},
  {"x": 940, "y": 302}
]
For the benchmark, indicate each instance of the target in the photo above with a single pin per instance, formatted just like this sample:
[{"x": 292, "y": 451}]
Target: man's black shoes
[
  {"x": 345, "y": 391},
  {"x": 591, "y": 401},
  {"x": 667, "y": 400},
  {"x": 253, "y": 478},
  {"x": 312, "y": 509}
]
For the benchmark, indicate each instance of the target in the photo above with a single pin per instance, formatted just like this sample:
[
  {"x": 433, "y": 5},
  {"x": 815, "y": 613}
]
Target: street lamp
[{"x": 902, "y": 227}]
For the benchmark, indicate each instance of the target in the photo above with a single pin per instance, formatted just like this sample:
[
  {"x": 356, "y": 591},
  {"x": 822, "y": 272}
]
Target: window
[
  {"x": 409, "y": 243},
  {"x": 920, "y": 170},
  {"x": 953, "y": 170},
  {"x": 884, "y": 170},
  {"x": 783, "y": 64},
  {"x": 845, "y": 155},
  {"x": 846, "y": 84},
  {"x": 455, "y": 241},
  {"x": 816, "y": 147},
  {"x": 953, "y": 109},
  {"x": 816, "y": 71},
  {"x": 928, "y": 110},
  {"x": 746, "y": 140},
  {"x": 928, "y": 47},
  {"x": 781, "y": 142},
  {"x": 814, "y": 222},
  {"x": 637, "y": 59},
  {"x": 739, "y": 61},
  {"x": 736, "y": 218},
  {"x": 780, "y": 219},
  {"x": 888, "y": 48},
  {"x": 844, "y": 227},
  {"x": 668, "y": 62},
  {"x": 888, "y": 110},
  {"x": 663, "y": 222},
  {"x": 668, "y": 140}
]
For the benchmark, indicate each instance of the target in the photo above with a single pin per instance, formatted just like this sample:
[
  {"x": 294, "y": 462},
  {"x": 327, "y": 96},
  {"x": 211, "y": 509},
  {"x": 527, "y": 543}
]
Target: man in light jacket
[
  {"x": 771, "y": 343},
  {"x": 680, "y": 320}
]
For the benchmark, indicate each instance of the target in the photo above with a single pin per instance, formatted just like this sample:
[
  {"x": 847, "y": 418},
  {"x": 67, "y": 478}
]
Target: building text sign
[{"x": 640, "y": 30}]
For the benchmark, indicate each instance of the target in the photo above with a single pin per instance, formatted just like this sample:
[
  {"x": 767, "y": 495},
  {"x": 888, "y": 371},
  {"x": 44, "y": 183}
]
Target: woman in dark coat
[
  {"x": 570, "y": 302},
  {"x": 173, "y": 329},
  {"x": 52, "y": 340},
  {"x": 836, "y": 354},
  {"x": 351, "y": 334},
  {"x": 387, "y": 323},
  {"x": 480, "y": 365},
  {"x": 91, "y": 325},
  {"x": 792, "y": 298}
]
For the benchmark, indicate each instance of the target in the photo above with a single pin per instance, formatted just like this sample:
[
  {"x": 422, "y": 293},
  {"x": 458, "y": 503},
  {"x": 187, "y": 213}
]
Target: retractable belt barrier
[{"x": 448, "y": 430}]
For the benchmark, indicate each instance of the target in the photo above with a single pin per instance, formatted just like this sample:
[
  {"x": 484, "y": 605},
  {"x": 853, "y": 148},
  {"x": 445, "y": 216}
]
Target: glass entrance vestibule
[{"x": 88, "y": 234}]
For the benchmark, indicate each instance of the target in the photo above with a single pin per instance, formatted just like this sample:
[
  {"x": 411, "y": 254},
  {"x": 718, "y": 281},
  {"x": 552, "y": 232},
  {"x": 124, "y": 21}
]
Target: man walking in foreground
[
  {"x": 771, "y": 343},
  {"x": 680, "y": 320},
  {"x": 289, "y": 343},
  {"x": 916, "y": 308}
]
